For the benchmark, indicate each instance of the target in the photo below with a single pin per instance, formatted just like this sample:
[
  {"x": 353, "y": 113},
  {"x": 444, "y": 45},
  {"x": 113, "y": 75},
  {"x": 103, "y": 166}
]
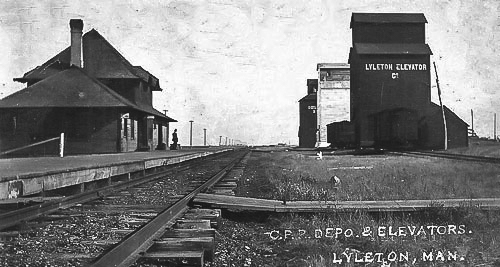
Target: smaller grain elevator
[
  {"x": 308, "y": 115},
  {"x": 333, "y": 97}
]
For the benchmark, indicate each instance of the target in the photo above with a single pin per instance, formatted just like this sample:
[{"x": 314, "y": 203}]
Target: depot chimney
[{"x": 76, "y": 26}]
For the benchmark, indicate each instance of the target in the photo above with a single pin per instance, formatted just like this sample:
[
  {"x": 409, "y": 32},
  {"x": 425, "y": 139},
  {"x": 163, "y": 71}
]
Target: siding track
[{"x": 447, "y": 156}]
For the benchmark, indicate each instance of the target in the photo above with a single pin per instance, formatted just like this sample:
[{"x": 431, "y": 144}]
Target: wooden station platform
[
  {"x": 20, "y": 177},
  {"x": 256, "y": 204}
]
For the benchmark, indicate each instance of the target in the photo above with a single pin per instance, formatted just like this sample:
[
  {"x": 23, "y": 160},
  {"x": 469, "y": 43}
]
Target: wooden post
[
  {"x": 191, "y": 134},
  {"x": 166, "y": 132},
  {"x": 442, "y": 110},
  {"x": 61, "y": 145},
  {"x": 495, "y": 126},
  {"x": 472, "y": 119},
  {"x": 204, "y": 137},
  {"x": 167, "y": 141}
]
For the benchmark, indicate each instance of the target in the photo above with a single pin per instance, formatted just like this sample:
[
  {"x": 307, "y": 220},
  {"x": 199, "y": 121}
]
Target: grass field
[
  {"x": 460, "y": 237},
  {"x": 479, "y": 148},
  {"x": 293, "y": 176}
]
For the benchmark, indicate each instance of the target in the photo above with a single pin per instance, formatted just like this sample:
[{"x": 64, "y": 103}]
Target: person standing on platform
[{"x": 175, "y": 140}]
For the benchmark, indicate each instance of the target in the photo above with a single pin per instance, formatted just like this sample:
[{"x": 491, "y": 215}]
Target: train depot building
[
  {"x": 386, "y": 88},
  {"x": 90, "y": 92}
]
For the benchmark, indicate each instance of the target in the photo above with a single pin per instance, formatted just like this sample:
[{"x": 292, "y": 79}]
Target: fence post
[{"x": 61, "y": 145}]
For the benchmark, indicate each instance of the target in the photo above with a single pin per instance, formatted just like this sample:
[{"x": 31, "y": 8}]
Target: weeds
[
  {"x": 288, "y": 177},
  {"x": 293, "y": 177}
]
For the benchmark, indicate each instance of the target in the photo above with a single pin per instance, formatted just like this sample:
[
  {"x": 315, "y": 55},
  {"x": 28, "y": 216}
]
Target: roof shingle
[{"x": 72, "y": 88}]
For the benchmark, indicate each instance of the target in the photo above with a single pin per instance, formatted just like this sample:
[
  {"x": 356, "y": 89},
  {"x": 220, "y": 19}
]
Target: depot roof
[{"x": 72, "y": 88}]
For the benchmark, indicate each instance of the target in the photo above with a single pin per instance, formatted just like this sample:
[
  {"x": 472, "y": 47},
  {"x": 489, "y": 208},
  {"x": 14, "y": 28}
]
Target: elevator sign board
[{"x": 396, "y": 67}]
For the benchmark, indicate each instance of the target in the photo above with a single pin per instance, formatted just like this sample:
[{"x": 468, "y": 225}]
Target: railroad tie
[
  {"x": 214, "y": 215},
  {"x": 179, "y": 258},
  {"x": 190, "y": 241}
]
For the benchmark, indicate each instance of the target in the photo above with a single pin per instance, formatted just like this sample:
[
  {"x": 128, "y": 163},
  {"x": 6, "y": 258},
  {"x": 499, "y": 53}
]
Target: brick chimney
[{"x": 76, "y": 26}]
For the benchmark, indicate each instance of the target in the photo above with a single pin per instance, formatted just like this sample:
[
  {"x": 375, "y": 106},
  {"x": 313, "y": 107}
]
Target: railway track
[
  {"x": 447, "y": 156},
  {"x": 115, "y": 225}
]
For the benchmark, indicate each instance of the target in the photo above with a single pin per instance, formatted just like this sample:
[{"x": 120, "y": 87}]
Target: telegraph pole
[
  {"x": 442, "y": 110},
  {"x": 204, "y": 137},
  {"x": 495, "y": 127},
  {"x": 472, "y": 119},
  {"x": 191, "y": 135}
]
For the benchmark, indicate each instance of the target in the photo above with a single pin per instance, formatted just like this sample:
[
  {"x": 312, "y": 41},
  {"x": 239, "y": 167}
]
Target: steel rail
[
  {"x": 449, "y": 156},
  {"x": 129, "y": 249},
  {"x": 15, "y": 217}
]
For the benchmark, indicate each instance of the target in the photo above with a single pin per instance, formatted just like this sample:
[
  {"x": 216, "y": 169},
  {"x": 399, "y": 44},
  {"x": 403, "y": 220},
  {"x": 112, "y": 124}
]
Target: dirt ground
[{"x": 460, "y": 237}]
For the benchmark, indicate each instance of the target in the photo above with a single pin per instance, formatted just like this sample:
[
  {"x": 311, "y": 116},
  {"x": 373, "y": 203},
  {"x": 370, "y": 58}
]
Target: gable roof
[
  {"x": 391, "y": 49},
  {"x": 387, "y": 18},
  {"x": 72, "y": 88},
  {"x": 101, "y": 60}
]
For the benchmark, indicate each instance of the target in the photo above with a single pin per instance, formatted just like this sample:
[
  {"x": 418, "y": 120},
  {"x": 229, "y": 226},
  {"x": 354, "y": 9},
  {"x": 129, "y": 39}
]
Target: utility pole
[
  {"x": 191, "y": 135},
  {"x": 204, "y": 137},
  {"x": 495, "y": 127},
  {"x": 442, "y": 110},
  {"x": 472, "y": 119}
]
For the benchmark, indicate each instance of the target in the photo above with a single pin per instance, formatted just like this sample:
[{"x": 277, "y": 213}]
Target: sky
[{"x": 237, "y": 68}]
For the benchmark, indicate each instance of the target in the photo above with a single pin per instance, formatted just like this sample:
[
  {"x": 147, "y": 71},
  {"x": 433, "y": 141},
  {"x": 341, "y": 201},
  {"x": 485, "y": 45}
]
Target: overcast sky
[{"x": 238, "y": 68}]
